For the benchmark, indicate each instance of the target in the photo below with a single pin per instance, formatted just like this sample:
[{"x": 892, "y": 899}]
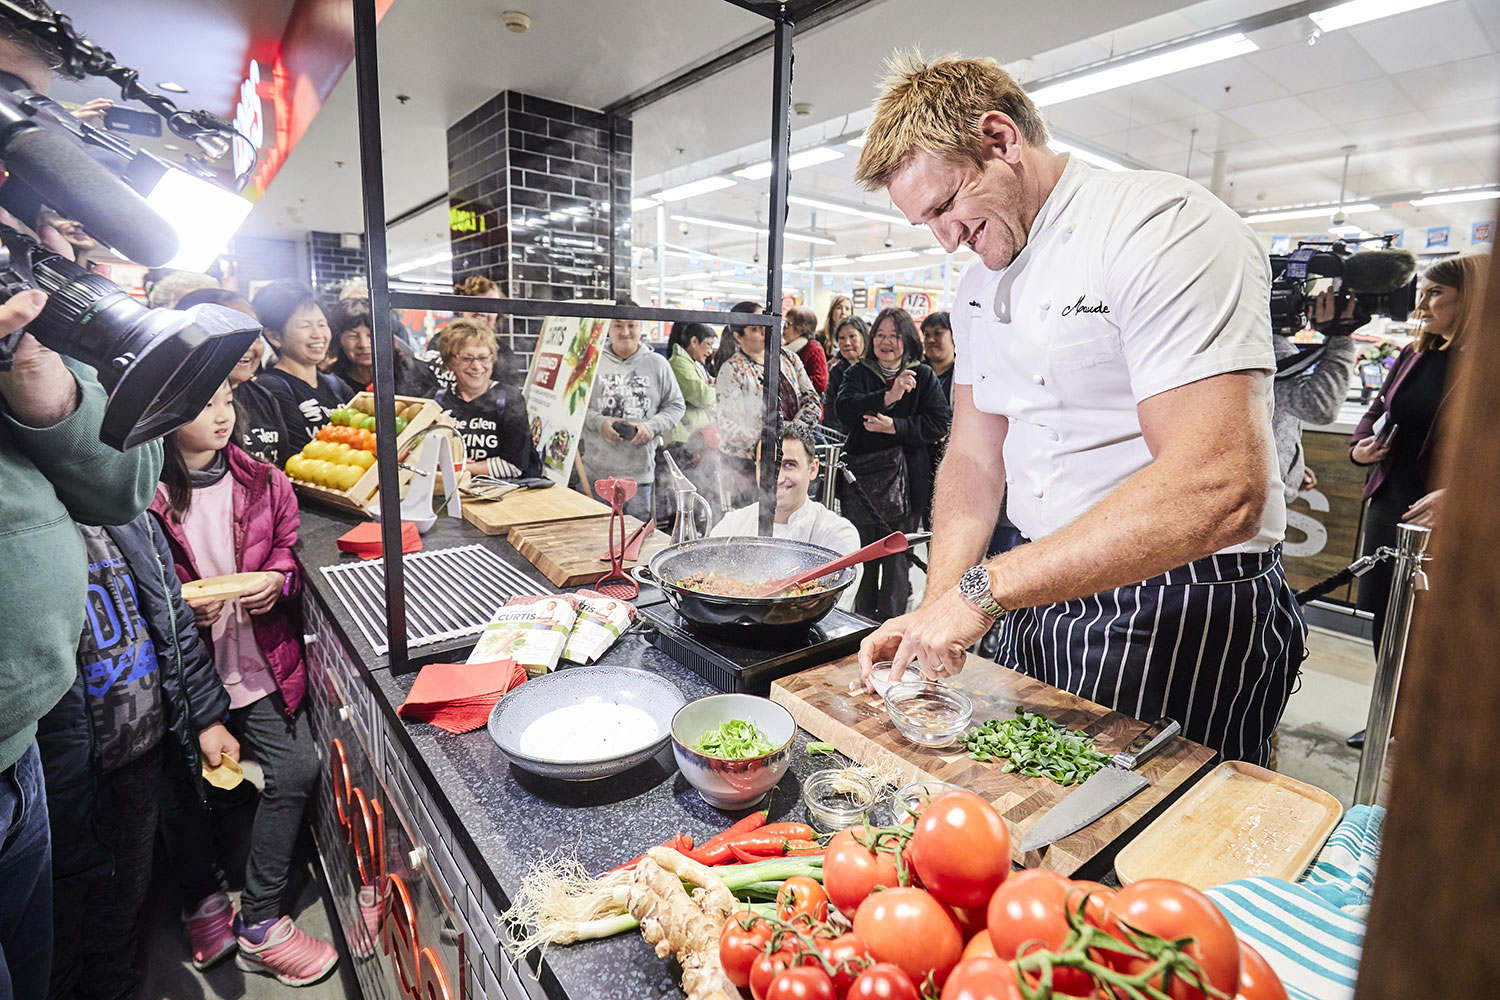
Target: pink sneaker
[
  {"x": 209, "y": 932},
  {"x": 294, "y": 958},
  {"x": 369, "y": 914}
]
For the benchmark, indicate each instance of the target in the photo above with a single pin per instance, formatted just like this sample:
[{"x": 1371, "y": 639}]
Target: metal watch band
[{"x": 969, "y": 585}]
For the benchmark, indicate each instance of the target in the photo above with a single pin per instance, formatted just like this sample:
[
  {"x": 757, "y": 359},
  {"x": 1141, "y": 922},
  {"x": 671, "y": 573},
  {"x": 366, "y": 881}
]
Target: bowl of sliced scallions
[{"x": 733, "y": 748}]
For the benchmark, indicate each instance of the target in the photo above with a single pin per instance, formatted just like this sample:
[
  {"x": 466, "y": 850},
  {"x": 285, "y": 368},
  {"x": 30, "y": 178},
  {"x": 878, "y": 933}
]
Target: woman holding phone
[{"x": 1398, "y": 436}]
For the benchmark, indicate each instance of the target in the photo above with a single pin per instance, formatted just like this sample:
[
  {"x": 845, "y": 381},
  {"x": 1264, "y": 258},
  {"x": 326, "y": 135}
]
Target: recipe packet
[
  {"x": 600, "y": 622},
  {"x": 530, "y": 630}
]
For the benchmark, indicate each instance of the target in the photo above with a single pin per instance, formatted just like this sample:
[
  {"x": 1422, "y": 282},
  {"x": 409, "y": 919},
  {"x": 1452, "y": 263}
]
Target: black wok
[{"x": 752, "y": 559}]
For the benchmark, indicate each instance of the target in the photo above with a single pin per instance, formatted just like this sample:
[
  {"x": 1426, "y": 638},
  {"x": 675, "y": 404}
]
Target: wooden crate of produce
[{"x": 421, "y": 416}]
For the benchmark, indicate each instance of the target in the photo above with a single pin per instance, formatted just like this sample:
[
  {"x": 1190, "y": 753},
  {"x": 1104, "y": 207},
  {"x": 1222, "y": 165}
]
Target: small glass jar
[{"x": 836, "y": 798}]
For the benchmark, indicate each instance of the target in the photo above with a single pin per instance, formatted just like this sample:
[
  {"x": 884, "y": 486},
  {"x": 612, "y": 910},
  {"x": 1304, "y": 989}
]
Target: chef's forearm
[{"x": 965, "y": 507}]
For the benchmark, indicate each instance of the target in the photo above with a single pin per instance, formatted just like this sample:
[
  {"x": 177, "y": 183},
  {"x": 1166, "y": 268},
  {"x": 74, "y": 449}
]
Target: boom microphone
[{"x": 1379, "y": 272}]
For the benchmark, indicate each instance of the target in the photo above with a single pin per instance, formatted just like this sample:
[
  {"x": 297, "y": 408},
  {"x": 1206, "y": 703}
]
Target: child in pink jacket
[{"x": 224, "y": 512}]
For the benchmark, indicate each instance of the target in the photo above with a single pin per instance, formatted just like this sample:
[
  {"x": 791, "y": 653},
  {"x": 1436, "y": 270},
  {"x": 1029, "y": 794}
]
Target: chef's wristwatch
[{"x": 974, "y": 585}]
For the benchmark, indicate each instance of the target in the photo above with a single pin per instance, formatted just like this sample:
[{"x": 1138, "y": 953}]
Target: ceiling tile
[
  {"x": 1084, "y": 119},
  {"x": 1432, "y": 36},
  {"x": 1214, "y": 131},
  {"x": 1283, "y": 116},
  {"x": 1147, "y": 103},
  {"x": 1378, "y": 97},
  {"x": 1212, "y": 13},
  {"x": 1336, "y": 57},
  {"x": 1231, "y": 83},
  {"x": 1476, "y": 79},
  {"x": 1488, "y": 14}
]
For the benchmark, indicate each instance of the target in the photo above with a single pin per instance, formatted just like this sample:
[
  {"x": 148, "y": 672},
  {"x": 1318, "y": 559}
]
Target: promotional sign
[
  {"x": 1437, "y": 236},
  {"x": 557, "y": 391},
  {"x": 861, "y": 297},
  {"x": 918, "y": 304},
  {"x": 1281, "y": 243},
  {"x": 1482, "y": 232},
  {"x": 885, "y": 300}
]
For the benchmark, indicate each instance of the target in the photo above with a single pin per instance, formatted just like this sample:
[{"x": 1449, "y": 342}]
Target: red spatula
[
  {"x": 887, "y": 546},
  {"x": 616, "y": 583}
]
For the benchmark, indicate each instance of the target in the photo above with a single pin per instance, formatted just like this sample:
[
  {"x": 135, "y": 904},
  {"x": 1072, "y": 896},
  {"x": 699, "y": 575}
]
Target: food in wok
[{"x": 724, "y": 585}]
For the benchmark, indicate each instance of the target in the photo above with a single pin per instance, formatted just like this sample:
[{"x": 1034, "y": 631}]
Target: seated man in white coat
[{"x": 798, "y": 517}]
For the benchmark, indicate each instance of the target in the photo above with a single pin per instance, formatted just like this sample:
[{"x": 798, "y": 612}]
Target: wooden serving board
[
  {"x": 857, "y": 724},
  {"x": 520, "y": 507},
  {"x": 567, "y": 552},
  {"x": 1238, "y": 822}
]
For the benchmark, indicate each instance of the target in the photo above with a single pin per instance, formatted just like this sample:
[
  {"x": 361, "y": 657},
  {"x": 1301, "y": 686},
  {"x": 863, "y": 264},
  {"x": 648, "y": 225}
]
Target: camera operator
[
  {"x": 53, "y": 470},
  {"x": 1312, "y": 391}
]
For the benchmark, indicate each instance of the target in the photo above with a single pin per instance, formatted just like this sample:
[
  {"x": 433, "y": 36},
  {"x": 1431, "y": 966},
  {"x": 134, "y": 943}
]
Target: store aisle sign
[
  {"x": 1437, "y": 236},
  {"x": 557, "y": 390},
  {"x": 465, "y": 221},
  {"x": 1482, "y": 232}
]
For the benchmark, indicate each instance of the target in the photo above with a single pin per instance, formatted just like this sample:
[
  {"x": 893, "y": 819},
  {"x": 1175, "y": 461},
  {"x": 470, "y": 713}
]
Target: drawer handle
[{"x": 417, "y": 857}]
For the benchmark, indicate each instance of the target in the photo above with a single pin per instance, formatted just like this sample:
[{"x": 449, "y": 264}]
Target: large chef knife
[{"x": 1102, "y": 792}]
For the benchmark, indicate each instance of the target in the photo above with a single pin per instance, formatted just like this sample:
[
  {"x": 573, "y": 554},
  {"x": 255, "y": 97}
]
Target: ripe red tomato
[
  {"x": 979, "y": 946},
  {"x": 800, "y": 896},
  {"x": 848, "y": 956},
  {"x": 883, "y": 981},
  {"x": 802, "y": 983},
  {"x": 962, "y": 848},
  {"x": 982, "y": 979},
  {"x": 910, "y": 928},
  {"x": 765, "y": 969},
  {"x": 1258, "y": 981},
  {"x": 1030, "y": 907},
  {"x": 851, "y": 871},
  {"x": 970, "y": 920},
  {"x": 1172, "y": 910},
  {"x": 739, "y": 947}
]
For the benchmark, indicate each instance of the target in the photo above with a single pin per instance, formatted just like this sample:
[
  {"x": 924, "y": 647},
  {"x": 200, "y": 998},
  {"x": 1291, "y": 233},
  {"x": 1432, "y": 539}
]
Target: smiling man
[{"x": 1113, "y": 382}]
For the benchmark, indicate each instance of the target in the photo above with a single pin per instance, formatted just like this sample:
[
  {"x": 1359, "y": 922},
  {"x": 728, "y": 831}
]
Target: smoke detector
[
  {"x": 516, "y": 20},
  {"x": 803, "y": 109}
]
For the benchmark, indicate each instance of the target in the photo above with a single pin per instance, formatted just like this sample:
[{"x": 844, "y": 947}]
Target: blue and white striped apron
[{"x": 1215, "y": 644}]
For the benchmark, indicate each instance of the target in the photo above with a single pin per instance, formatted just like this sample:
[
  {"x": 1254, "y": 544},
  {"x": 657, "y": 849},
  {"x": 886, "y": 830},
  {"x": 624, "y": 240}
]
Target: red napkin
[
  {"x": 459, "y": 697},
  {"x": 364, "y": 540}
]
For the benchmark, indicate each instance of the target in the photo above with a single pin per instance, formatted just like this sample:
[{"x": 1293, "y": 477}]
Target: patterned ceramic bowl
[{"x": 725, "y": 783}]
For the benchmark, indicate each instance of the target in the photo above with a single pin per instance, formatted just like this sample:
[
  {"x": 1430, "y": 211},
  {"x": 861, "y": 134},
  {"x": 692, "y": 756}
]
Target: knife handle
[{"x": 1140, "y": 749}]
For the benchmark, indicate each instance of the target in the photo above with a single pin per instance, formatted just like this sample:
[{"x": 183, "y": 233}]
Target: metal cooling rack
[{"x": 450, "y": 594}]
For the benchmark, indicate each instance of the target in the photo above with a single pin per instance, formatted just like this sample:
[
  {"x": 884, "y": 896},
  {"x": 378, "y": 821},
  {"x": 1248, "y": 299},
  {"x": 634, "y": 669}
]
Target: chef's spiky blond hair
[{"x": 937, "y": 106}]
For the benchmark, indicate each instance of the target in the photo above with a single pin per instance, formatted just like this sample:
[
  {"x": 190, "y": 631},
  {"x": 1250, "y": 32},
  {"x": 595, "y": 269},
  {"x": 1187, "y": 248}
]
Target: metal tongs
[{"x": 489, "y": 488}]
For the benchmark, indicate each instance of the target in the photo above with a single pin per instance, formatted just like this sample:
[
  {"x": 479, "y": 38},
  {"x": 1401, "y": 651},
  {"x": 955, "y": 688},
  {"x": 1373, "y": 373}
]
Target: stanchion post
[{"x": 1407, "y": 578}]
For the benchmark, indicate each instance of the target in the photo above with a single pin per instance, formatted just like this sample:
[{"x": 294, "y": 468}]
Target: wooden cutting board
[
  {"x": 857, "y": 724},
  {"x": 1239, "y": 822},
  {"x": 567, "y": 552},
  {"x": 497, "y": 517}
]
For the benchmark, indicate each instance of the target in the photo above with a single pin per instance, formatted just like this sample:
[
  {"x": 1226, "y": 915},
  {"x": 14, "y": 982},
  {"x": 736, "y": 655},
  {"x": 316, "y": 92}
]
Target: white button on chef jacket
[{"x": 1131, "y": 283}]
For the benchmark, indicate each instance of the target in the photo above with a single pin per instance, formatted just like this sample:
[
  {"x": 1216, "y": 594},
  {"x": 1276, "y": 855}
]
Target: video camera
[
  {"x": 1380, "y": 281},
  {"x": 160, "y": 366}
]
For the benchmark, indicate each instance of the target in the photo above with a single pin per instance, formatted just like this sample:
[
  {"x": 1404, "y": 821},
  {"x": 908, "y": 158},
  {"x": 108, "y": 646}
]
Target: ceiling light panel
[
  {"x": 1456, "y": 198},
  {"x": 857, "y": 212},
  {"x": 1147, "y": 67},
  {"x": 693, "y": 189},
  {"x": 740, "y": 227},
  {"x": 1310, "y": 212},
  {"x": 1355, "y": 12},
  {"x": 1091, "y": 158},
  {"x": 872, "y": 258},
  {"x": 806, "y": 158}
]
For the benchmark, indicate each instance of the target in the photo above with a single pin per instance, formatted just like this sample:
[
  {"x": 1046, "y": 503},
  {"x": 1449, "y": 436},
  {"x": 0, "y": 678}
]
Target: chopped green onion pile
[
  {"x": 1036, "y": 747},
  {"x": 734, "y": 740}
]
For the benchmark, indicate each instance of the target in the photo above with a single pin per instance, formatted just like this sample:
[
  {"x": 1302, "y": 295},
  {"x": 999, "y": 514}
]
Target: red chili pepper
[
  {"x": 715, "y": 850},
  {"x": 804, "y": 845},
  {"x": 791, "y": 831},
  {"x": 679, "y": 843},
  {"x": 748, "y": 857},
  {"x": 811, "y": 852}
]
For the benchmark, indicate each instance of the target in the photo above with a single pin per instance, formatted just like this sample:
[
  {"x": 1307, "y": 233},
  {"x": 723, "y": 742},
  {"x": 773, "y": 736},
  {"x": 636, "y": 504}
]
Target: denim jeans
[{"x": 25, "y": 881}]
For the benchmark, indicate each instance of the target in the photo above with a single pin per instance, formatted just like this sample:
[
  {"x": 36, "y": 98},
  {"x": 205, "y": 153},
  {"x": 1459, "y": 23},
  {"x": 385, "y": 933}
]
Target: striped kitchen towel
[
  {"x": 1312, "y": 944},
  {"x": 1344, "y": 871}
]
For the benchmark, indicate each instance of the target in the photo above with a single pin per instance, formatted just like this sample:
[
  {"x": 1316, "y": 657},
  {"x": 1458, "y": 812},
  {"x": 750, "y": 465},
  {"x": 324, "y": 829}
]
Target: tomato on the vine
[
  {"x": 883, "y": 981},
  {"x": 983, "y": 979},
  {"x": 740, "y": 946},
  {"x": 801, "y": 896},
  {"x": 1258, "y": 981},
  {"x": 979, "y": 946},
  {"x": 766, "y": 968},
  {"x": 851, "y": 871},
  {"x": 909, "y": 927},
  {"x": 847, "y": 956},
  {"x": 802, "y": 983},
  {"x": 970, "y": 920},
  {"x": 1173, "y": 911},
  {"x": 961, "y": 849},
  {"x": 1030, "y": 907}
]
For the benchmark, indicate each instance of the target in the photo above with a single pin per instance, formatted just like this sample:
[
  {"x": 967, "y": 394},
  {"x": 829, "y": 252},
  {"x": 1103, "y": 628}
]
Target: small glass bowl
[
  {"x": 928, "y": 713},
  {"x": 880, "y": 670},
  {"x": 836, "y": 799},
  {"x": 909, "y": 799}
]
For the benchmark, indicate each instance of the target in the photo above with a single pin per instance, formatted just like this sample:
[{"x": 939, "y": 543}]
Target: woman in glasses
[{"x": 491, "y": 416}]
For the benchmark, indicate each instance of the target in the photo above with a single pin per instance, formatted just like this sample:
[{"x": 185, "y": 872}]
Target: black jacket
[
  {"x": 921, "y": 416},
  {"x": 194, "y": 699},
  {"x": 836, "y": 373}
]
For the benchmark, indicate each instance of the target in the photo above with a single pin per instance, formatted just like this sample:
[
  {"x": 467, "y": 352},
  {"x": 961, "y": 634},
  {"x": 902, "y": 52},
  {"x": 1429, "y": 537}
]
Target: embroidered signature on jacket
[{"x": 1079, "y": 307}]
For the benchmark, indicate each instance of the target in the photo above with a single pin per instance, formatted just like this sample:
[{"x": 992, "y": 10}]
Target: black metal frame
[{"x": 367, "y": 83}]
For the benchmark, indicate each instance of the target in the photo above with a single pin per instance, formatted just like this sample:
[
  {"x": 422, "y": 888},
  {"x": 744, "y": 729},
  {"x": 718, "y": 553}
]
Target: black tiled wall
[
  {"x": 260, "y": 258},
  {"x": 540, "y": 193},
  {"x": 331, "y": 264}
]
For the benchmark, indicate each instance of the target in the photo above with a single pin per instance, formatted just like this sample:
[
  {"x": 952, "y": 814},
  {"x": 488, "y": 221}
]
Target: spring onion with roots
[{"x": 559, "y": 902}]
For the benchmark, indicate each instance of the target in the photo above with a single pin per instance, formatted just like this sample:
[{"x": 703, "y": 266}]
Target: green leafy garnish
[
  {"x": 734, "y": 740},
  {"x": 1035, "y": 746},
  {"x": 813, "y": 746}
]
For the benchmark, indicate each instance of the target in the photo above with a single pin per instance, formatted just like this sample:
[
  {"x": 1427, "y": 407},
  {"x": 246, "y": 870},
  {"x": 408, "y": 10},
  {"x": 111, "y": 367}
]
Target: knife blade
[{"x": 1104, "y": 791}]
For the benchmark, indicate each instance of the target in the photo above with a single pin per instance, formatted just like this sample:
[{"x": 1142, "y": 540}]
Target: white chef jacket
[
  {"x": 1131, "y": 283},
  {"x": 812, "y": 522}
]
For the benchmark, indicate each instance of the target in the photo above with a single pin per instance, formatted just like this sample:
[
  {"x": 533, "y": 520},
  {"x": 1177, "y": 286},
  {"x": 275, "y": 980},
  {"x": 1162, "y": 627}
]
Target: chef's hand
[
  {"x": 263, "y": 596},
  {"x": 216, "y": 742},
  {"x": 1370, "y": 450},
  {"x": 206, "y": 612},
  {"x": 905, "y": 382},
  {"x": 642, "y": 436},
  {"x": 1309, "y": 478},
  {"x": 936, "y": 635},
  {"x": 607, "y": 429},
  {"x": 1427, "y": 510},
  {"x": 879, "y": 423}
]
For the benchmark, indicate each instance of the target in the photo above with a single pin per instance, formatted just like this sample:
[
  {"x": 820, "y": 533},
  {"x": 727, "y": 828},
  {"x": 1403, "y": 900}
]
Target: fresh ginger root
[{"x": 675, "y": 923}]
